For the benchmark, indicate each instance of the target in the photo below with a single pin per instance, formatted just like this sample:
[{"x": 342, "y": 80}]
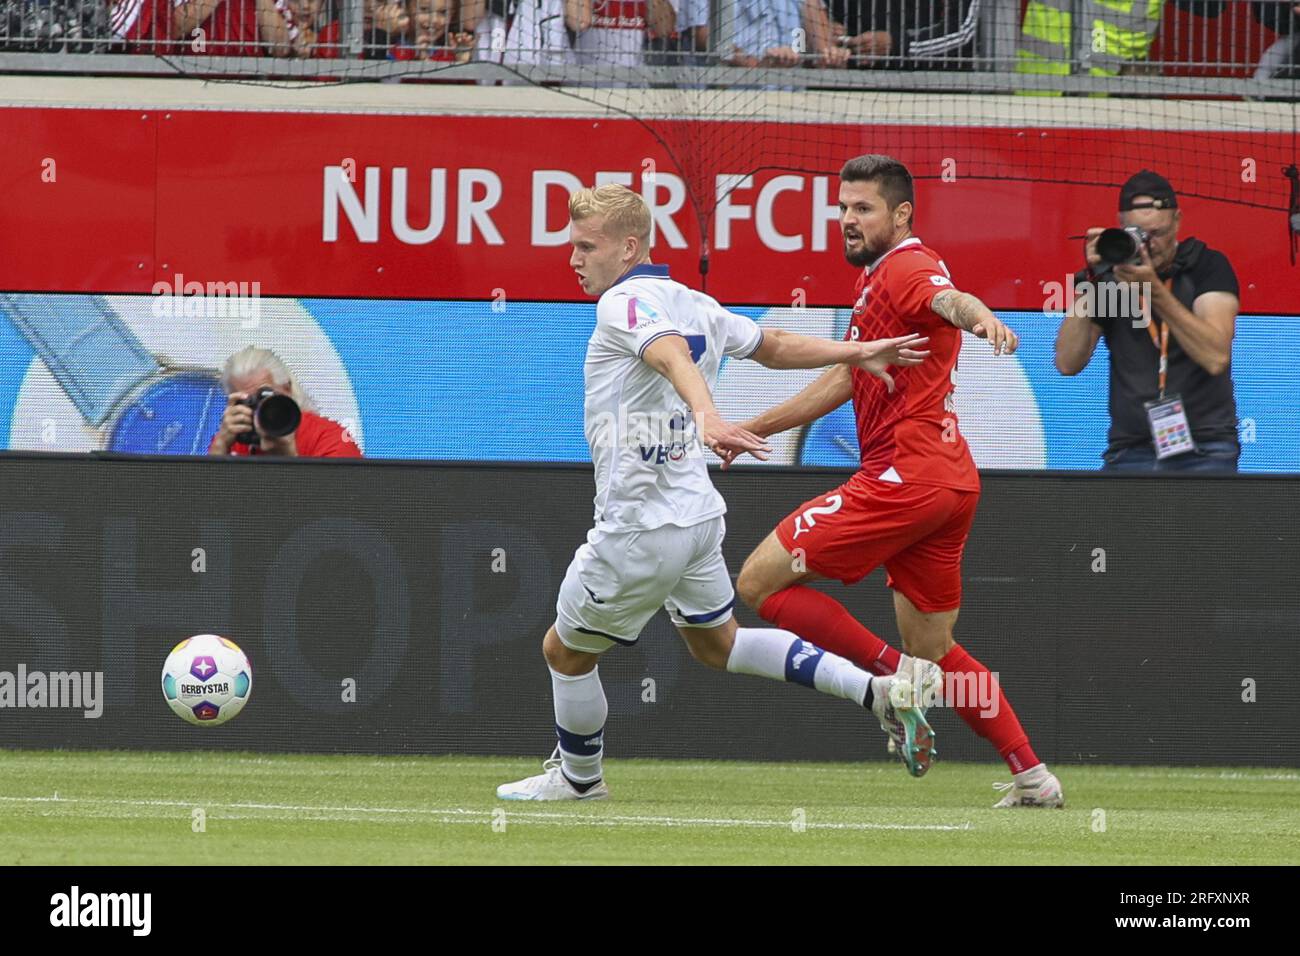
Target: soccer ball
[{"x": 207, "y": 679}]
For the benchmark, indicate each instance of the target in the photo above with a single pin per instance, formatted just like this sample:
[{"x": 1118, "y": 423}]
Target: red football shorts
[{"x": 917, "y": 532}]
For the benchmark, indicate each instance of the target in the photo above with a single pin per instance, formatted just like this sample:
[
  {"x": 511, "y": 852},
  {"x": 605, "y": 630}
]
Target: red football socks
[
  {"x": 969, "y": 687},
  {"x": 824, "y": 621}
]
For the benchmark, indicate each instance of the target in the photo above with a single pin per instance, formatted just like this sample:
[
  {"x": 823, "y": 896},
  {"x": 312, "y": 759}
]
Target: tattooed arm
[{"x": 969, "y": 314}]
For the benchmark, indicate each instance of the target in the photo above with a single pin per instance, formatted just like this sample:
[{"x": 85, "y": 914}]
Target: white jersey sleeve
[
  {"x": 650, "y": 467},
  {"x": 628, "y": 323},
  {"x": 741, "y": 337}
]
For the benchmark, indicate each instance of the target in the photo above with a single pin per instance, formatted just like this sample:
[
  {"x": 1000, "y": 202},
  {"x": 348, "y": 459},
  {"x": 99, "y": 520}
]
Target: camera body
[
  {"x": 1122, "y": 246},
  {"x": 274, "y": 413}
]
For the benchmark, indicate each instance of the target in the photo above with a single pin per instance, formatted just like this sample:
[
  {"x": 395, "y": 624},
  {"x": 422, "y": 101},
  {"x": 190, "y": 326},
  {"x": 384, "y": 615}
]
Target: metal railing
[{"x": 1165, "y": 47}]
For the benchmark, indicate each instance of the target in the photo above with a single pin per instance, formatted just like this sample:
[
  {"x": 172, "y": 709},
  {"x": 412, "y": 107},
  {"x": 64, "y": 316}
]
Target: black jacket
[
  {"x": 927, "y": 33},
  {"x": 1276, "y": 15}
]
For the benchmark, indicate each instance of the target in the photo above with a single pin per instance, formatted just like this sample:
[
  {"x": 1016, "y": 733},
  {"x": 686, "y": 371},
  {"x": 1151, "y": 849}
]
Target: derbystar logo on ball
[{"x": 207, "y": 679}]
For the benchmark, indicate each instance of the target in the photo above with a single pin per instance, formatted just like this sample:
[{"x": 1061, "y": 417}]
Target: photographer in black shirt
[{"x": 1168, "y": 309}]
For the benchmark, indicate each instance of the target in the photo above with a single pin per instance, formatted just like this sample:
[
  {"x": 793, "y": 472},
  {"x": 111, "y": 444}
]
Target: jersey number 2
[{"x": 808, "y": 520}]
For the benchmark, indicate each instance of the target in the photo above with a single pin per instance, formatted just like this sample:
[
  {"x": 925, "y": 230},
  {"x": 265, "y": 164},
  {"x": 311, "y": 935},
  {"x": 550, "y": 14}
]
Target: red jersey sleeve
[{"x": 914, "y": 280}]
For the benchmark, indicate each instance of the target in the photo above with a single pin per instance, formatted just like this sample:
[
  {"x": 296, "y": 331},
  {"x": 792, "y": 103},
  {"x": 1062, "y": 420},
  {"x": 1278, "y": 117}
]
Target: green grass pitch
[{"x": 139, "y": 808}]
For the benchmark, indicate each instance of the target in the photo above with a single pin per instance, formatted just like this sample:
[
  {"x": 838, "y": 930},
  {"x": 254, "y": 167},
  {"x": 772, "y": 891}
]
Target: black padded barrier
[{"x": 430, "y": 586}]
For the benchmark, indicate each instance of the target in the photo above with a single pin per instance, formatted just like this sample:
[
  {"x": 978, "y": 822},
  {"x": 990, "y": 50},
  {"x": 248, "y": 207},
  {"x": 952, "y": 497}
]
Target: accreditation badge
[{"x": 1170, "y": 433}]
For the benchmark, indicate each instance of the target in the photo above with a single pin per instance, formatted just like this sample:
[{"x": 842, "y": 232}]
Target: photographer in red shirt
[{"x": 254, "y": 368}]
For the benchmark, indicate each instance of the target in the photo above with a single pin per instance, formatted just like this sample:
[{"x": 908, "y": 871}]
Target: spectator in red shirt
[
  {"x": 316, "y": 437},
  {"x": 248, "y": 28},
  {"x": 216, "y": 27},
  {"x": 150, "y": 26}
]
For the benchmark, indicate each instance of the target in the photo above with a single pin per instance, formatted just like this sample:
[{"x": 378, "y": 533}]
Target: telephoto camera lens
[
  {"x": 1121, "y": 246},
  {"x": 275, "y": 414}
]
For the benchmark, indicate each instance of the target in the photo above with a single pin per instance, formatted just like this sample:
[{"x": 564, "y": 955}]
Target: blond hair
[
  {"x": 251, "y": 360},
  {"x": 625, "y": 212}
]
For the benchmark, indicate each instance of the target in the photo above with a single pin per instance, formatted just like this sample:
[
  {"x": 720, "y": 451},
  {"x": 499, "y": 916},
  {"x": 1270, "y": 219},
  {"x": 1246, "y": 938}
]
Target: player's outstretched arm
[
  {"x": 670, "y": 356},
  {"x": 781, "y": 349},
  {"x": 832, "y": 389},
  {"x": 968, "y": 313}
]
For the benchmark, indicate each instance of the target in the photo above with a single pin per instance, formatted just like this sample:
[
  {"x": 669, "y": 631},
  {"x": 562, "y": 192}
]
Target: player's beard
[{"x": 866, "y": 253}]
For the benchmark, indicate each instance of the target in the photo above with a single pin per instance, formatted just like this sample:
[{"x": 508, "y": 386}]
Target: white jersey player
[{"x": 657, "y": 539}]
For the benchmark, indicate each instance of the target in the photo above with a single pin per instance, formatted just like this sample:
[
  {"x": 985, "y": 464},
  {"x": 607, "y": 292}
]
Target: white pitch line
[
  {"x": 1222, "y": 775},
  {"x": 408, "y": 765},
  {"x": 470, "y": 815},
  {"x": 856, "y": 770},
  {"x": 417, "y": 765}
]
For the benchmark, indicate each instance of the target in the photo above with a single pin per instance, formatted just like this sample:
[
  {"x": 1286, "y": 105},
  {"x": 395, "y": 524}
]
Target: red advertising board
[{"x": 332, "y": 204}]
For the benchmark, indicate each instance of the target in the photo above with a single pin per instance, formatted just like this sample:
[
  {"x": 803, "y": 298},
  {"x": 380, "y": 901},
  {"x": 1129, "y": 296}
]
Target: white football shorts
[{"x": 617, "y": 580}]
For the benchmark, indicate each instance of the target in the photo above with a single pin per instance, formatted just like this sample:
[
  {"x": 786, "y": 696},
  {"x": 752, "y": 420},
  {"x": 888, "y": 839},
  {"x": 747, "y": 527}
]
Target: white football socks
[
  {"x": 781, "y": 655},
  {"x": 580, "y": 712}
]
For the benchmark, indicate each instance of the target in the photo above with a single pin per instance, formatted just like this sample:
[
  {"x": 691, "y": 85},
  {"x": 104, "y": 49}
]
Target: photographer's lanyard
[
  {"x": 1161, "y": 341},
  {"x": 1171, "y": 433}
]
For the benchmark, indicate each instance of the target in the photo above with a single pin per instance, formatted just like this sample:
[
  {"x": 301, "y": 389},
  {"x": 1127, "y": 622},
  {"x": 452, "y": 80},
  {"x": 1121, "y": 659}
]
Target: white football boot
[
  {"x": 1035, "y": 787},
  {"x": 551, "y": 784},
  {"x": 899, "y": 703}
]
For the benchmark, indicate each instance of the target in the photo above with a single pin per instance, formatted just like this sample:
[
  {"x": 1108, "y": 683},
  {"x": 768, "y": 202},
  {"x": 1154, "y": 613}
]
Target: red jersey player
[{"x": 911, "y": 504}]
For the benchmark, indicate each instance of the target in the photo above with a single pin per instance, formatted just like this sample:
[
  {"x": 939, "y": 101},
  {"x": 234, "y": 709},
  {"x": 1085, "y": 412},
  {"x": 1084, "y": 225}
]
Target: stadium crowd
[{"x": 824, "y": 34}]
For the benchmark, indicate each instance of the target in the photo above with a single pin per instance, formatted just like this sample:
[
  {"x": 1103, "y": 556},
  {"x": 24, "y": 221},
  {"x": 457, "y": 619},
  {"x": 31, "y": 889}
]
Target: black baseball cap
[{"x": 1147, "y": 183}]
